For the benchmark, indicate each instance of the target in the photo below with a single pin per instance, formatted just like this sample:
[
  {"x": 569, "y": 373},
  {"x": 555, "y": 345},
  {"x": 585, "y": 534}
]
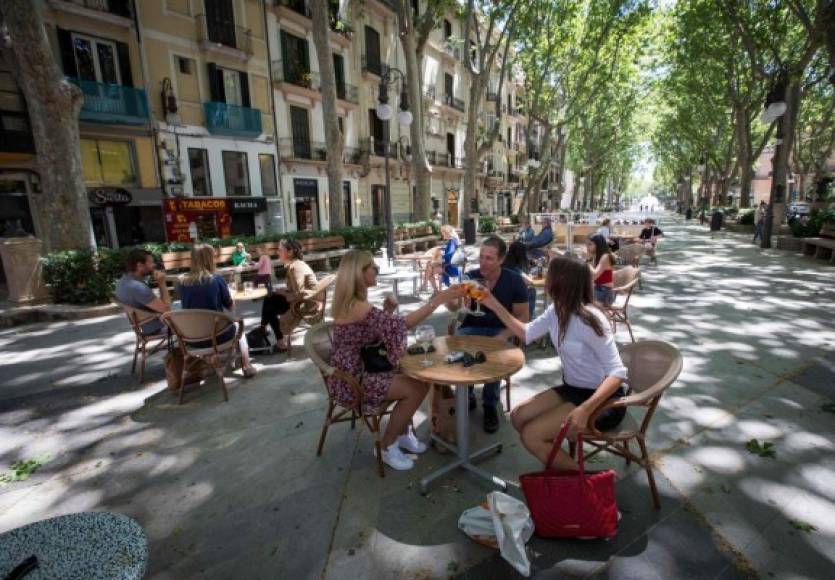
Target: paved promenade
[{"x": 235, "y": 490}]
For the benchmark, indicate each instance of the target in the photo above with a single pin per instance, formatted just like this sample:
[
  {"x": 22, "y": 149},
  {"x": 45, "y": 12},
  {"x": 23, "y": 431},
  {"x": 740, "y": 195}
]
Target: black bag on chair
[
  {"x": 375, "y": 358},
  {"x": 258, "y": 341}
]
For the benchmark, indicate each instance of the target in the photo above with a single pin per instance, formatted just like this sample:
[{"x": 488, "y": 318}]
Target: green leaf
[
  {"x": 21, "y": 470},
  {"x": 803, "y": 526},
  {"x": 764, "y": 449}
]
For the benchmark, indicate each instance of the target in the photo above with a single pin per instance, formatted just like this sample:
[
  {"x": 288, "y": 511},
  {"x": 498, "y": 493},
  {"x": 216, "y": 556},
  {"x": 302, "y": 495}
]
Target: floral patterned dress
[{"x": 348, "y": 339}]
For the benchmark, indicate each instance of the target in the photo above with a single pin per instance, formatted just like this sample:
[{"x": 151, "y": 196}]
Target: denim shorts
[
  {"x": 604, "y": 295},
  {"x": 577, "y": 396}
]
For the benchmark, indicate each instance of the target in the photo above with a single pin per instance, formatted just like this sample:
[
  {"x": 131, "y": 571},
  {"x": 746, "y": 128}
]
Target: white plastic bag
[{"x": 501, "y": 522}]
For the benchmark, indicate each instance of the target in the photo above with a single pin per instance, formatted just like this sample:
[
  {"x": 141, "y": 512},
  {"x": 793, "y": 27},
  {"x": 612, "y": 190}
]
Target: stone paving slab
[{"x": 234, "y": 490}]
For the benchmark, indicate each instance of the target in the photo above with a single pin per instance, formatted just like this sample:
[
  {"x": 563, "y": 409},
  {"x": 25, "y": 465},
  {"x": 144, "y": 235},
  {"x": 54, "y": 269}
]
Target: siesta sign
[{"x": 101, "y": 196}]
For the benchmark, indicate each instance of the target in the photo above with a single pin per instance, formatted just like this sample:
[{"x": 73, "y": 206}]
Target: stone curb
[{"x": 18, "y": 316}]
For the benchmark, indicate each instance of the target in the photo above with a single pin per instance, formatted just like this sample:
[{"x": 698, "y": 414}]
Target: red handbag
[{"x": 571, "y": 504}]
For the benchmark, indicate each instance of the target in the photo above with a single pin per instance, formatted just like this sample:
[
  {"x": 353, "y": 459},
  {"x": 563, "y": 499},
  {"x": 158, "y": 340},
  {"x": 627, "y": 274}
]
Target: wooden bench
[
  {"x": 323, "y": 250},
  {"x": 822, "y": 247},
  {"x": 411, "y": 245}
]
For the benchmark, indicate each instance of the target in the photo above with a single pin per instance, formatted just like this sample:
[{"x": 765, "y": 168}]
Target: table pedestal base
[{"x": 465, "y": 458}]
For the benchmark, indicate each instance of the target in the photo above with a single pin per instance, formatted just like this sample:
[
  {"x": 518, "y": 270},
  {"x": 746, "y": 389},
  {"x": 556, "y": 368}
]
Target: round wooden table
[
  {"x": 255, "y": 294},
  {"x": 502, "y": 361}
]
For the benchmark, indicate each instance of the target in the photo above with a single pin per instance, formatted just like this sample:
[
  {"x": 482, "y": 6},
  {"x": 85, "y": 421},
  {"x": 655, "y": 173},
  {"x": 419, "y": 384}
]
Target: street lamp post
[{"x": 384, "y": 113}]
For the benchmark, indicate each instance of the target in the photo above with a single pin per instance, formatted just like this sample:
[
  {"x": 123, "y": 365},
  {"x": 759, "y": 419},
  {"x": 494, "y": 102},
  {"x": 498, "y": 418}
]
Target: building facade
[{"x": 218, "y": 102}]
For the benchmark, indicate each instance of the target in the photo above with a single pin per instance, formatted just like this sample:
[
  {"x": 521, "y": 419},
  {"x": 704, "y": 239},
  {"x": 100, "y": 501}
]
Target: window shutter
[
  {"x": 67, "y": 54},
  {"x": 244, "y": 80},
  {"x": 123, "y": 54},
  {"x": 216, "y": 92}
]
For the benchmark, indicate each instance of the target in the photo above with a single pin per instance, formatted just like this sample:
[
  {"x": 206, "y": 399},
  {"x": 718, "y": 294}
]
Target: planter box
[{"x": 789, "y": 243}]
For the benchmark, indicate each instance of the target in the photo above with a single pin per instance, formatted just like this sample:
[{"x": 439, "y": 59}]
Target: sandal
[
  {"x": 250, "y": 372},
  {"x": 279, "y": 349}
]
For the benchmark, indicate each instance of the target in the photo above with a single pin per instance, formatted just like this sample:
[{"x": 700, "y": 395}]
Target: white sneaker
[
  {"x": 411, "y": 443},
  {"x": 395, "y": 459}
]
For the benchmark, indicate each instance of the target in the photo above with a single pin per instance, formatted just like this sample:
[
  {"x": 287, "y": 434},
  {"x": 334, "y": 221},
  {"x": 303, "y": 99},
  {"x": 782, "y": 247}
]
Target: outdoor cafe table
[
  {"x": 254, "y": 294},
  {"x": 502, "y": 361}
]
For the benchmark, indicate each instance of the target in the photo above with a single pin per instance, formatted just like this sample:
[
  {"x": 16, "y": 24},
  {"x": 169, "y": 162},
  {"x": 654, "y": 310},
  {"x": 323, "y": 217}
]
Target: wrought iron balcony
[
  {"x": 352, "y": 155},
  {"x": 374, "y": 66},
  {"x": 295, "y": 74},
  {"x": 348, "y": 93},
  {"x": 300, "y": 6},
  {"x": 429, "y": 92},
  {"x": 453, "y": 102},
  {"x": 226, "y": 119},
  {"x": 291, "y": 148},
  {"x": 378, "y": 147},
  {"x": 115, "y": 7},
  {"x": 113, "y": 104},
  {"x": 214, "y": 32}
]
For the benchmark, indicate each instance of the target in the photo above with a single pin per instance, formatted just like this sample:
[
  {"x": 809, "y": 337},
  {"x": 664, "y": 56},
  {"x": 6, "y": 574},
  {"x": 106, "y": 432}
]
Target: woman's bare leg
[
  {"x": 538, "y": 436},
  {"x": 409, "y": 394},
  {"x": 524, "y": 412}
]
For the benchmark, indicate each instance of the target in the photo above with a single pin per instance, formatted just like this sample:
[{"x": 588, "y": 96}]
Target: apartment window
[
  {"x": 267, "y": 165},
  {"x": 107, "y": 162},
  {"x": 95, "y": 59},
  {"x": 509, "y": 135},
  {"x": 198, "y": 162},
  {"x": 447, "y": 29},
  {"x": 372, "y": 51},
  {"x": 295, "y": 56},
  {"x": 339, "y": 75},
  {"x": 228, "y": 86},
  {"x": 449, "y": 85},
  {"x": 186, "y": 65},
  {"x": 236, "y": 173}
]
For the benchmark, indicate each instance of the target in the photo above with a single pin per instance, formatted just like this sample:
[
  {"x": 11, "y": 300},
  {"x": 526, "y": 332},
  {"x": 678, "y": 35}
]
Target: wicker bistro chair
[
  {"x": 625, "y": 280},
  {"x": 311, "y": 310},
  {"x": 653, "y": 366},
  {"x": 318, "y": 344},
  {"x": 630, "y": 254},
  {"x": 195, "y": 326},
  {"x": 146, "y": 344}
]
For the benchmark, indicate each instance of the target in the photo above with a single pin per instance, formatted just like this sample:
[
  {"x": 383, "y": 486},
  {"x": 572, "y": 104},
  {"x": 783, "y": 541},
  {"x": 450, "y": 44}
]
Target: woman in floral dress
[{"x": 357, "y": 323}]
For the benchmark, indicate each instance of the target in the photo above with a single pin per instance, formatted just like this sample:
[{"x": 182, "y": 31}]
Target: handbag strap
[{"x": 581, "y": 461}]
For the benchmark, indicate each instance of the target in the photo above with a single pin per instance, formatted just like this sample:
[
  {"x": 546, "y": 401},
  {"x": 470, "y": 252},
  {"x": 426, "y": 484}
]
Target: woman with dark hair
[
  {"x": 592, "y": 368},
  {"x": 516, "y": 259},
  {"x": 300, "y": 282},
  {"x": 602, "y": 267}
]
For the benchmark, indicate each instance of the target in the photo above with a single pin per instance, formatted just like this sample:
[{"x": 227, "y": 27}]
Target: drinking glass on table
[
  {"x": 248, "y": 287},
  {"x": 425, "y": 335}
]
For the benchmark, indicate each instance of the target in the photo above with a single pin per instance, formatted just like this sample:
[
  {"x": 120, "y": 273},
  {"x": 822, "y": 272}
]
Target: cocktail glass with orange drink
[{"x": 475, "y": 290}]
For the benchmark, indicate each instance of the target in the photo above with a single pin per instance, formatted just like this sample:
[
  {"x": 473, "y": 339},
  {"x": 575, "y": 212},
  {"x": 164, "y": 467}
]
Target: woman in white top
[{"x": 592, "y": 368}]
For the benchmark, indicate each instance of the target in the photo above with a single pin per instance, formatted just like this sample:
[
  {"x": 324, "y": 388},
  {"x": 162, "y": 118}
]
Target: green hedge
[
  {"x": 486, "y": 224},
  {"x": 86, "y": 277},
  {"x": 746, "y": 217},
  {"x": 817, "y": 218}
]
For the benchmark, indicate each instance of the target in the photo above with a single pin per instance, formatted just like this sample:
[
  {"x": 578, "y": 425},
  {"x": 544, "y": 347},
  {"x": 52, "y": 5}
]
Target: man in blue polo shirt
[{"x": 510, "y": 289}]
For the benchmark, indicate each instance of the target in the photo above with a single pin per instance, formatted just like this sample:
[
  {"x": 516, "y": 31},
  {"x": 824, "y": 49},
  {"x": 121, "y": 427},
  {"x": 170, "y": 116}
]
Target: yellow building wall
[{"x": 146, "y": 162}]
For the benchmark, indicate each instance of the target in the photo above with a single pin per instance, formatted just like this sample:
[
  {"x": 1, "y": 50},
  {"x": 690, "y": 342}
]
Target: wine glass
[
  {"x": 248, "y": 288},
  {"x": 477, "y": 292},
  {"x": 425, "y": 335}
]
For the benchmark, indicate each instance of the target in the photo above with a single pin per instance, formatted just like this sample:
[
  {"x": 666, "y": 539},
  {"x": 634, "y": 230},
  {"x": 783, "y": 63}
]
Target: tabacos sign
[{"x": 102, "y": 196}]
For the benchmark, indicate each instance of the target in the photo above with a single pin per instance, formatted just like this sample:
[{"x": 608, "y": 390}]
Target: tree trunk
[
  {"x": 744, "y": 153},
  {"x": 414, "y": 77},
  {"x": 53, "y": 105},
  {"x": 333, "y": 136},
  {"x": 780, "y": 162},
  {"x": 473, "y": 163}
]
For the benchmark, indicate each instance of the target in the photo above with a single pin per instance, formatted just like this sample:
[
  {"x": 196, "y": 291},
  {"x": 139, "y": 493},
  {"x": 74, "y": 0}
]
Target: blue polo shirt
[{"x": 510, "y": 289}]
